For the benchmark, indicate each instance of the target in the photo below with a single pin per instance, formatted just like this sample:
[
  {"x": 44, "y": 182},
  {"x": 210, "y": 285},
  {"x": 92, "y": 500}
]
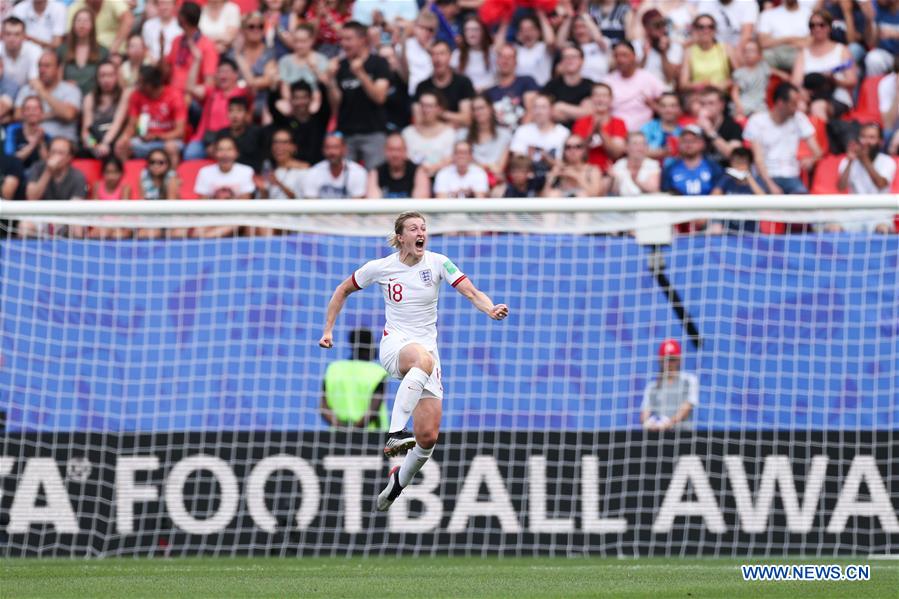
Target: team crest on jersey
[{"x": 427, "y": 277}]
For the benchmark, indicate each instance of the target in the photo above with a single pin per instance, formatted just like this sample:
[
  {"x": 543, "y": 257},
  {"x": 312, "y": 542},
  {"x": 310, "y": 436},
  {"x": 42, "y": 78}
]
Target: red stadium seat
[
  {"x": 91, "y": 168},
  {"x": 133, "y": 169},
  {"x": 187, "y": 175},
  {"x": 867, "y": 108},
  {"x": 827, "y": 173}
]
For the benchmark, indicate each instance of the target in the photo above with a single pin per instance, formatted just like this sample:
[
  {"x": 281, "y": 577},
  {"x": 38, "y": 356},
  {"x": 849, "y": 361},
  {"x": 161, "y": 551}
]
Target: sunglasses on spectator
[
  {"x": 705, "y": 26},
  {"x": 574, "y": 147},
  {"x": 252, "y": 26},
  {"x": 658, "y": 24}
]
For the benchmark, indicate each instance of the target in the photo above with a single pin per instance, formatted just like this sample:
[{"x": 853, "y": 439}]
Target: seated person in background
[
  {"x": 307, "y": 127},
  {"x": 570, "y": 90},
  {"x": 12, "y": 177},
  {"x": 462, "y": 178},
  {"x": 751, "y": 82},
  {"x": 521, "y": 182},
  {"x": 866, "y": 170},
  {"x": 634, "y": 90},
  {"x": 335, "y": 176},
  {"x": 669, "y": 400},
  {"x": 61, "y": 100},
  {"x": 691, "y": 174},
  {"x": 397, "y": 176},
  {"x": 573, "y": 176},
  {"x": 111, "y": 185},
  {"x": 541, "y": 140},
  {"x": 9, "y": 89},
  {"x": 105, "y": 111},
  {"x": 26, "y": 140},
  {"x": 304, "y": 64},
  {"x": 158, "y": 180},
  {"x": 456, "y": 90},
  {"x": 662, "y": 133},
  {"x": 54, "y": 179},
  {"x": 888, "y": 100},
  {"x": 722, "y": 134},
  {"x": 659, "y": 54},
  {"x": 738, "y": 180},
  {"x": 605, "y": 134},
  {"x": 285, "y": 182},
  {"x": 489, "y": 141},
  {"x": 215, "y": 100},
  {"x": 157, "y": 117},
  {"x": 224, "y": 180},
  {"x": 782, "y": 32},
  {"x": 430, "y": 140},
  {"x": 636, "y": 173},
  {"x": 775, "y": 137},
  {"x": 249, "y": 137},
  {"x": 513, "y": 94},
  {"x": 81, "y": 54}
]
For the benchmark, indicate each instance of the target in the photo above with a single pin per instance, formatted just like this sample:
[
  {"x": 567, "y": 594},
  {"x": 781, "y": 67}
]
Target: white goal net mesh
[{"x": 162, "y": 393}]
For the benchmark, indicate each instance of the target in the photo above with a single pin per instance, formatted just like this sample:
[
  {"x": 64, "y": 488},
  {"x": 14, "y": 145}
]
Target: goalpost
[{"x": 160, "y": 394}]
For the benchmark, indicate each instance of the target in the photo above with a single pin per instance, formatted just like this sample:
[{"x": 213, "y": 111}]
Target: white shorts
[{"x": 391, "y": 346}]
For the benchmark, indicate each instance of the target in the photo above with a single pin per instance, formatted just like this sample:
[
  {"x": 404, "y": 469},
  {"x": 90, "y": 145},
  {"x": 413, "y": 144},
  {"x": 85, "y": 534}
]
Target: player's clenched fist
[
  {"x": 499, "y": 311},
  {"x": 327, "y": 341}
]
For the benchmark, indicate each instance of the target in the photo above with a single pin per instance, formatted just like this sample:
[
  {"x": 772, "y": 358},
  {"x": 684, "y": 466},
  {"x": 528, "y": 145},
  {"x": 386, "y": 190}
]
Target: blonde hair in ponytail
[{"x": 398, "y": 224}]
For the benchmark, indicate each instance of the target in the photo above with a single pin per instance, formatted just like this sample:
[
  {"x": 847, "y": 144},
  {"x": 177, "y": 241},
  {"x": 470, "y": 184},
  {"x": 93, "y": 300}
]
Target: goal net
[{"x": 161, "y": 384}]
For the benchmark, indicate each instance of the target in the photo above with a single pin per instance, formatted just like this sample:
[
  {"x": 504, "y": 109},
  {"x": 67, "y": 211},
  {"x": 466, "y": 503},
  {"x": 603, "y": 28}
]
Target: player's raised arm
[
  {"x": 335, "y": 305},
  {"x": 481, "y": 301}
]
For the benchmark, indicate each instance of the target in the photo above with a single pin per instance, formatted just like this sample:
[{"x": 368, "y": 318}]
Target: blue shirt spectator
[{"x": 691, "y": 174}]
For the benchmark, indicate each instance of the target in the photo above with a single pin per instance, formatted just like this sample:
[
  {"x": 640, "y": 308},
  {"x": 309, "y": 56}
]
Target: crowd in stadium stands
[{"x": 220, "y": 99}]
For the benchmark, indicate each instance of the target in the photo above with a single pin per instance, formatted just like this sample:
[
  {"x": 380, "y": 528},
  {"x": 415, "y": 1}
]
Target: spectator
[
  {"x": 572, "y": 176},
  {"x": 330, "y": 19},
  {"x": 661, "y": 134},
  {"x": 397, "y": 177},
  {"x": 256, "y": 62},
  {"x": 227, "y": 179},
  {"x": 834, "y": 66},
  {"x": 12, "y": 177},
  {"x": 45, "y": 21},
  {"x": 248, "y": 136},
  {"x": 9, "y": 89},
  {"x": 285, "y": 182},
  {"x": 105, "y": 112},
  {"x": 489, "y": 141},
  {"x": 60, "y": 99},
  {"x": 161, "y": 31},
  {"x": 81, "y": 54},
  {"x": 849, "y": 25},
  {"x": 658, "y": 55},
  {"x": 220, "y": 23},
  {"x": 20, "y": 56},
  {"x": 398, "y": 107},
  {"x": 304, "y": 64},
  {"x": 634, "y": 90},
  {"x": 158, "y": 180},
  {"x": 570, "y": 90},
  {"x": 707, "y": 61},
  {"x": 462, "y": 178},
  {"x": 135, "y": 58},
  {"x": 335, "y": 176},
  {"x": 215, "y": 100},
  {"x": 429, "y": 140},
  {"x": 521, "y": 182},
  {"x": 308, "y": 128},
  {"x": 540, "y": 140},
  {"x": 416, "y": 55},
  {"x": 783, "y": 32},
  {"x": 113, "y": 21},
  {"x": 277, "y": 32},
  {"x": 613, "y": 16},
  {"x": 775, "y": 137},
  {"x": 736, "y": 20},
  {"x": 668, "y": 401},
  {"x": 738, "y": 179},
  {"x": 358, "y": 86},
  {"x": 636, "y": 173},
  {"x": 26, "y": 139},
  {"x": 112, "y": 184},
  {"x": 679, "y": 15},
  {"x": 750, "y": 82},
  {"x": 589, "y": 39},
  {"x": 885, "y": 36},
  {"x": 691, "y": 174},
  {"x": 888, "y": 100},
  {"x": 353, "y": 390},
  {"x": 865, "y": 169},
  {"x": 447, "y": 12},
  {"x": 189, "y": 47},
  {"x": 475, "y": 57},
  {"x": 722, "y": 134},
  {"x": 605, "y": 134},
  {"x": 55, "y": 179},
  {"x": 156, "y": 119},
  {"x": 534, "y": 48},
  {"x": 513, "y": 95},
  {"x": 456, "y": 90}
]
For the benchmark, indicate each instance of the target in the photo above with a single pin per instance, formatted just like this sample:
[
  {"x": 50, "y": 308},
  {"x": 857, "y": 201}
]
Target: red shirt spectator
[
  {"x": 163, "y": 112},
  {"x": 605, "y": 135},
  {"x": 336, "y": 13},
  {"x": 188, "y": 47},
  {"x": 215, "y": 98}
]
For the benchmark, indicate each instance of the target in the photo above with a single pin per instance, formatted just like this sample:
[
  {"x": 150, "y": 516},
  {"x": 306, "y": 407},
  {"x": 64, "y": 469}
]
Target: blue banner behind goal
[{"x": 123, "y": 336}]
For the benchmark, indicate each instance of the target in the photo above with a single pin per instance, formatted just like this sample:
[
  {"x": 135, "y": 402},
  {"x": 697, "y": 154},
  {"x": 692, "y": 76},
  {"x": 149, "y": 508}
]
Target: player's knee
[
  {"x": 425, "y": 361},
  {"x": 427, "y": 438}
]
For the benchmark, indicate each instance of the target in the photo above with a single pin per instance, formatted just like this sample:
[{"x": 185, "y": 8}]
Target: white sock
[
  {"x": 407, "y": 397},
  {"x": 414, "y": 461}
]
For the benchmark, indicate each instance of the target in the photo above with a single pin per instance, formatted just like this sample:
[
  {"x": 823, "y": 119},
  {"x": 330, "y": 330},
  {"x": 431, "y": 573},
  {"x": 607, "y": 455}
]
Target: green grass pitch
[{"x": 425, "y": 578}]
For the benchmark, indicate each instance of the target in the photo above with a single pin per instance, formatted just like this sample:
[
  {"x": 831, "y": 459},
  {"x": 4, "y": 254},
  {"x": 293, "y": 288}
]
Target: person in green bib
[{"x": 353, "y": 390}]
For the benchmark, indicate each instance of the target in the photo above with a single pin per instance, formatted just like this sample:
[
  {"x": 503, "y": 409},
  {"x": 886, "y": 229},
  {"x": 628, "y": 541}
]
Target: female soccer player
[{"x": 410, "y": 282}]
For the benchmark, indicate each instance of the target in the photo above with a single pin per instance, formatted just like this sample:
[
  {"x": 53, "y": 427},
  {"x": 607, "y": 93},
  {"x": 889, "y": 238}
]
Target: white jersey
[{"x": 410, "y": 293}]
